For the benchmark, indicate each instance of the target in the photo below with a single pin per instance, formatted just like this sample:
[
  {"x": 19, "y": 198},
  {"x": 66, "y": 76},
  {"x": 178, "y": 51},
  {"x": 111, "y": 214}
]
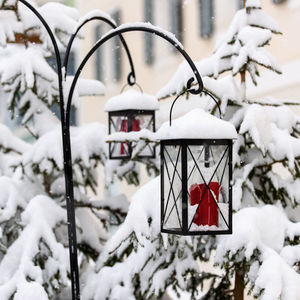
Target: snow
[
  {"x": 141, "y": 208},
  {"x": 292, "y": 187},
  {"x": 197, "y": 124},
  {"x": 118, "y": 202},
  {"x": 91, "y": 229},
  {"x": 147, "y": 25},
  {"x": 10, "y": 199},
  {"x": 131, "y": 136},
  {"x": 39, "y": 218},
  {"x": 257, "y": 55},
  {"x": 260, "y": 19},
  {"x": 184, "y": 127},
  {"x": 84, "y": 87},
  {"x": 270, "y": 129},
  {"x": 264, "y": 229},
  {"x": 131, "y": 99},
  {"x": 66, "y": 20},
  {"x": 10, "y": 142},
  {"x": 256, "y": 36},
  {"x": 8, "y": 26},
  {"x": 86, "y": 141},
  {"x": 29, "y": 22},
  {"x": 30, "y": 290},
  {"x": 26, "y": 63},
  {"x": 95, "y": 13},
  {"x": 8, "y": 3},
  {"x": 253, "y": 4}
]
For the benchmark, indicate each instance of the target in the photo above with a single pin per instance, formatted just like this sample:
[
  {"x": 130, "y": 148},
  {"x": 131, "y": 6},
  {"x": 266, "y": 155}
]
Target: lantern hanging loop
[
  {"x": 185, "y": 91},
  {"x": 136, "y": 27},
  {"x": 135, "y": 84},
  {"x": 131, "y": 79}
]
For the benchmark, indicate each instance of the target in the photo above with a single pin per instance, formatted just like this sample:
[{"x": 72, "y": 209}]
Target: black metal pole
[{"x": 67, "y": 164}]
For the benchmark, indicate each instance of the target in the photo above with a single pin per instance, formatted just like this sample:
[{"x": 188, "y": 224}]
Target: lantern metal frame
[
  {"x": 184, "y": 176},
  {"x": 130, "y": 115}
]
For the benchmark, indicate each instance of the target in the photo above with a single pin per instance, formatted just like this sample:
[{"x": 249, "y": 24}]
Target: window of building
[
  {"x": 206, "y": 18},
  {"x": 98, "y": 54},
  {"x": 117, "y": 53},
  {"x": 278, "y": 1},
  {"x": 240, "y": 4},
  {"x": 176, "y": 18},
  {"x": 149, "y": 38}
]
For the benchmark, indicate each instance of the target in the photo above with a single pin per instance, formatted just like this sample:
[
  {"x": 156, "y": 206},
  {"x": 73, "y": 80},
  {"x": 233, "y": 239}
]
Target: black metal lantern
[
  {"x": 130, "y": 111},
  {"x": 196, "y": 175}
]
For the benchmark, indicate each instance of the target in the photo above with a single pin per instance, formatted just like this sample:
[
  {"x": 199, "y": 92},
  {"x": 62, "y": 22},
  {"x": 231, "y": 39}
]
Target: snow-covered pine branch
[
  {"x": 259, "y": 243},
  {"x": 36, "y": 261},
  {"x": 240, "y": 49}
]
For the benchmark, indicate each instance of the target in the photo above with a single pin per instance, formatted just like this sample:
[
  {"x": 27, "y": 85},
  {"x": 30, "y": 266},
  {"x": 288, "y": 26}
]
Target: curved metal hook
[
  {"x": 128, "y": 28},
  {"x": 203, "y": 91},
  {"x": 131, "y": 79}
]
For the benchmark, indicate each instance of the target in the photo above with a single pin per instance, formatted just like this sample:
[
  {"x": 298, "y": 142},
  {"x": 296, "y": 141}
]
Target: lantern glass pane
[
  {"x": 208, "y": 187},
  {"x": 139, "y": 122},
  {"x": 172, "y": 208},
  {"x": 119, "y": 124}
]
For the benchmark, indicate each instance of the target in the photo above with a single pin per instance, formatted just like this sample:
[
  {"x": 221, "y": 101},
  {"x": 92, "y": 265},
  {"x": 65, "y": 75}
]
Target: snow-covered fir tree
[
  {"x": 261, "y": 256},
  {"x": 137, "y": 261}
]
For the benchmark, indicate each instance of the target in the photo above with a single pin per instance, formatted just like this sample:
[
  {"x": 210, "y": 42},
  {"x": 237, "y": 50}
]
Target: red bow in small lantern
[
  {"x": 124, "y": 128},
  {"x": 207, "y": 212}
]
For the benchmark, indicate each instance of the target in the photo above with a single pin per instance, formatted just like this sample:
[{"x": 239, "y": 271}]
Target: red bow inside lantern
[{"x": 207, "y": 212}]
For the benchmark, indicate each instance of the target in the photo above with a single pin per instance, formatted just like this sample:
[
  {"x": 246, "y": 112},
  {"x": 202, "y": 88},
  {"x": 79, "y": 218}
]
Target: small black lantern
[
  {"x": 130, "y": 111},
  {"x": 196, "y": 175}
]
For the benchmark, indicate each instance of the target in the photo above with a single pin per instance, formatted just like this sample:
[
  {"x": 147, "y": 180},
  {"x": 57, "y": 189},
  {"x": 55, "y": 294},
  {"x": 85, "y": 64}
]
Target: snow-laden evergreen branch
[
  {"x": 36, "y": 249},
  {"x": 259, "y": 241}
]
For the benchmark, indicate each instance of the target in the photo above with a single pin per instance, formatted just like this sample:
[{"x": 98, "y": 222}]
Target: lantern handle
[
  {"x": 135, "y": 83},
  {"x": 183, "y": 92}
]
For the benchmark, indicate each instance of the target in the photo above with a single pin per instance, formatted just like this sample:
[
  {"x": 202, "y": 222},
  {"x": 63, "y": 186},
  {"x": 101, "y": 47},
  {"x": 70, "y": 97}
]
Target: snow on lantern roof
[
  {"x": 253, "y": 4},
  {"x": 131, "y": 99},
  {"x": 197, "y": 124}
]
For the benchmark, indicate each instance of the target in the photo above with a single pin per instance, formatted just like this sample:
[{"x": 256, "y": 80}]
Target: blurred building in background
[{"x": 198, "y": 25}]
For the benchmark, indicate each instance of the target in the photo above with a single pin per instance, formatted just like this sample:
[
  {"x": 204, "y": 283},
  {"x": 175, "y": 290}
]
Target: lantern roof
[
  {"x": 132, "y": 99},
  {"x": 197, "y": 124}
]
